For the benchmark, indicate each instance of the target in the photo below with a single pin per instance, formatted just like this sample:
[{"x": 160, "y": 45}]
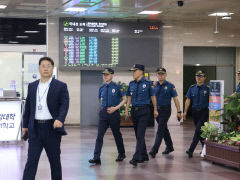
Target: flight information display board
[{"x": 94, "y": 45}]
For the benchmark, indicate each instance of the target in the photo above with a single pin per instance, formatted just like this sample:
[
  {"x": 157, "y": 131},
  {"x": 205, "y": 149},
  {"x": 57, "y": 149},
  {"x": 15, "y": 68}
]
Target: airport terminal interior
[{"x": 84, "y": 37}]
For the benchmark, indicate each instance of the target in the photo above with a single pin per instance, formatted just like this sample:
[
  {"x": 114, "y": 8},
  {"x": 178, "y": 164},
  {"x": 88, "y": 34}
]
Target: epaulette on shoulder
[{"x": 192, "y": 85}]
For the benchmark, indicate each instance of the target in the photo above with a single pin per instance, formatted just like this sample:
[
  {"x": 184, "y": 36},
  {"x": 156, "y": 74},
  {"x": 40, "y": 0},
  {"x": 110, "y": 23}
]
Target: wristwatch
[{"x": 179, "y": 112}]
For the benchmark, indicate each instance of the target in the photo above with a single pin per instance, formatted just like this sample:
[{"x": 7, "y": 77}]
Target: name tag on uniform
[{"x": 40, "y": 107}]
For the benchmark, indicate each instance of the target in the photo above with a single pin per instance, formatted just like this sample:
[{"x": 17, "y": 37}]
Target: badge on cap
[{"x": 144, "y": 86}]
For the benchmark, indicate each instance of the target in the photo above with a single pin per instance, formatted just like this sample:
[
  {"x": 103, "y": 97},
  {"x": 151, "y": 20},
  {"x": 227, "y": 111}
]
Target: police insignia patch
[{"x": 121, "y": 89}]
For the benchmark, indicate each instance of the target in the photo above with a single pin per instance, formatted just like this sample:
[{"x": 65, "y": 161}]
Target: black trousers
[
  {"x": 140, "y": 120},
  {"x": 106, "y": 120},
  {"x": 199, "y": 118},
  {"x": 48, "y": 139},
  {"x": 162, "y": 132}
]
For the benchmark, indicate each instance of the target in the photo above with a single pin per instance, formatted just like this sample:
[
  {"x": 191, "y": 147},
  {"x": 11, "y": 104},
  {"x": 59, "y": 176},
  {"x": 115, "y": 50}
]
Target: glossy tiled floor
[{"x": 78, "y": 147}]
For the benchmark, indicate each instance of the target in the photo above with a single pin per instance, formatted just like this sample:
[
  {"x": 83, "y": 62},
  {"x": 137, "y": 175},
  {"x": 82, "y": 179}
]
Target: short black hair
[{"x": 47, "y": 59}]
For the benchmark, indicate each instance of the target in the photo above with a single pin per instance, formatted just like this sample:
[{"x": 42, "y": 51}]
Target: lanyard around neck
[{"x": 40, "y": 98}]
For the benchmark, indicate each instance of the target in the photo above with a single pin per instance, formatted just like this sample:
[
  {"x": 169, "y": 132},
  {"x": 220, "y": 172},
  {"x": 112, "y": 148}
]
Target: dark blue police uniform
[
  {"x": 199, "y": 96},
  {"x": 238, "y": 88},
  {"x": 140, "y": 93},
  {"x": 164, "y": 94},
  {"x": 110, "y": 95}
]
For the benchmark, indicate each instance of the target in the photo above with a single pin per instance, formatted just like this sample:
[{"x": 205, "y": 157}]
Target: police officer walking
[
  {"x": 164, "y": 92},
  {"x": 199, "y": 95},
  {"x": 140, "y": 92},
  {"x": 110, "y": 95}
]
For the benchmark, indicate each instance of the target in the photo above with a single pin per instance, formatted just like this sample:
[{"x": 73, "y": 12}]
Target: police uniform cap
[
  {"x": 108, "y": 71},
  {"x": 200, "y": 73},
  {"x": 161, "y": 70},
  {"x": 137, "y": 67}
]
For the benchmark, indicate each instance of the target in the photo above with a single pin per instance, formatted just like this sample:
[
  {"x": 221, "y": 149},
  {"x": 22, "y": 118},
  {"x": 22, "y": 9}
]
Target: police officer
[
  {"x": 164, "y": 92},
  {"x": 110, "y": 95},
  {"x": 140, "y": 92},
  {"x": 199, "y": 95}
]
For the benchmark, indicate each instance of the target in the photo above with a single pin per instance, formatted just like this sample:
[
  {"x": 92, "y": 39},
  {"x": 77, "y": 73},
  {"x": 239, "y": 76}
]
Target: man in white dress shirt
[{"x": 46, "y": 108}]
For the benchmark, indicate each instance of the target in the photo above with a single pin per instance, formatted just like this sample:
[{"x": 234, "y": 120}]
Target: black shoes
[
  {"x": 143, "y": 160},
  {"x": 168, "y": 150},
  {"x": 95, "y": 160},
  {"x": 121, "y": 157},
  {"x": 189, "y": 153},
  {"x": 133, "y": 162},
  {"x": 152, "y": 153}
]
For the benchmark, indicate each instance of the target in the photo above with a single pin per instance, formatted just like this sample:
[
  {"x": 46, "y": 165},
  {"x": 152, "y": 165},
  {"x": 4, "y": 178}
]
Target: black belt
[
  {"x": 136, "y": 108},
  {"x": 164, "y": 107},
  {"x": 40, "y": 121}
]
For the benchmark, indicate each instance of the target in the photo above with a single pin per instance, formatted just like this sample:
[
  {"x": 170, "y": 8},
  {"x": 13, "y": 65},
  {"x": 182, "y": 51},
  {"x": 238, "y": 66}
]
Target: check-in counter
[{"x": 10, "y": 116}]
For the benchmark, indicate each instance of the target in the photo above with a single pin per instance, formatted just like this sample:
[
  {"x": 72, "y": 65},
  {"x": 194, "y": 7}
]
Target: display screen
[{"x": 94, "y": 45}]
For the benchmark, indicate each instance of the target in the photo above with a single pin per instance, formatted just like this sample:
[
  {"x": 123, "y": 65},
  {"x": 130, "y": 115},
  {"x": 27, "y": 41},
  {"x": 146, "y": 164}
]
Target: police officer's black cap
[
  {"x": 161, "y": 70},
  {"x": 137, "y": 67},
  {"x": 200, "y": 73},
  {"x": 238, "y": 72},
  {"x": 108, "y": 71}
]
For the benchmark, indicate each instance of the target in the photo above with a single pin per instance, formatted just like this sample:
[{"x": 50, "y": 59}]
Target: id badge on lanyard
[{"x": 40, "y": 107}]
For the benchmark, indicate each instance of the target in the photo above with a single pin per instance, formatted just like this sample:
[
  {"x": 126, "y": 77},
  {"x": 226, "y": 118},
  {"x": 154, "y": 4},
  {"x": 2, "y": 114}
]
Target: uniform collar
[
  {"x": 164, "y": 83},
  {"x": 203, "y": 85},
  {"x": 110, "y": 84},
  {"x": 143, "y": 78}
]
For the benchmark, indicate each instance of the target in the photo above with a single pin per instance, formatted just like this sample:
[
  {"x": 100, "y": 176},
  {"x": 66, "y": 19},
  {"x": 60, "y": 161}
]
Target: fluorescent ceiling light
[
  {"x": 42, "y": 24},
  {"x": 167, "y": 26},
  {"x": 31, "y": 32},
  {"x": 22, "y": 37},
  {"x": 221, "y": 14},
  {"x": 150, "y": 12},
  {"x": 13, "y": 42},
  {"x": 226, "y": 17},
  {"x": 76, "y": 9},
  {"x": 3, "y": 6},
  {"x": 197, "y": 64}
]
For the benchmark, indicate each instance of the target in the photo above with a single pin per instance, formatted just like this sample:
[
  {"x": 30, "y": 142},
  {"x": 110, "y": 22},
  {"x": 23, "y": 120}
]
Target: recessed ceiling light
[
  {"x": 31, "y": 32},
  {"x": 42, "y": 24},
  {"x": 221, "y": 14},
  {"x": 22, "y": 37},
  {"x": 150, "y": 12},
  {"x": 3, "y": 6},
  {"x": 197, "y": 64},
  {"x": 210, "y": 41},
  {"x": 226, "y": 17},
  {"x": 13, "y": 42},
  {"x": 76, "y": 9}
]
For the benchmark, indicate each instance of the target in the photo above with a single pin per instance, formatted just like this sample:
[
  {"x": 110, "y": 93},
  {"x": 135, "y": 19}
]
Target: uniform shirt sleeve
[
  {"x": 173, "y": 91},
  {"x": 188, "y": 95},
  {"x": 121, "y": 91},
  {"x": 128, "y": 90},
  {"x": 152, "y": 91},
  {"x": 99, "y": 93}
]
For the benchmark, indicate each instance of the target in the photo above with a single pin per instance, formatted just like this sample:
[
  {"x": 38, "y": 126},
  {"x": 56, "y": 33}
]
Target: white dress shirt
[{"x": 42, "y": 111}]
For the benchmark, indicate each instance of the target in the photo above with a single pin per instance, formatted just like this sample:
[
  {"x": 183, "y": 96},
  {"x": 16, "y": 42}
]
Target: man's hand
[
  {"x": 184, "y": 115},
  {"x": 24, "y": 130},
  {"x": 155, "y": 113},
  {"x": 57, "y": 124},
  {"x": 111, "y": 110},
  {"x": 126, "y": 113},
  {"x": 179, "y": 116}
]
